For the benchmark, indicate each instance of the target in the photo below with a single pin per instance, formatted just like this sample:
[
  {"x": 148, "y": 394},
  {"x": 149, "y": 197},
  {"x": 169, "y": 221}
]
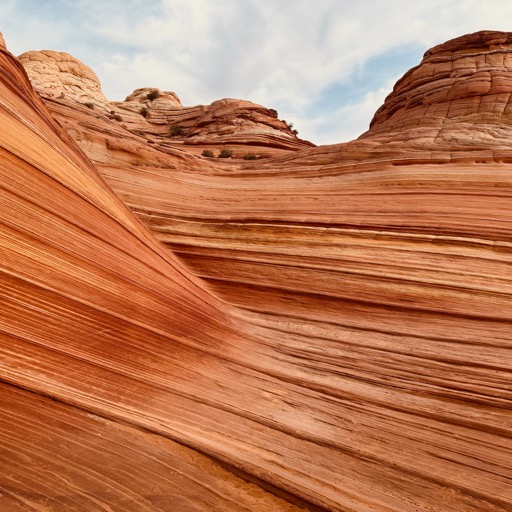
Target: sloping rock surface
[{"x": 333, "y": 325}]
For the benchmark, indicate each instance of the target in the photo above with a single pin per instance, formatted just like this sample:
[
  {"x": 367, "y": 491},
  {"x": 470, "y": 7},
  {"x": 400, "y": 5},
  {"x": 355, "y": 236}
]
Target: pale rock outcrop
[{"x": 60, "y": 75}]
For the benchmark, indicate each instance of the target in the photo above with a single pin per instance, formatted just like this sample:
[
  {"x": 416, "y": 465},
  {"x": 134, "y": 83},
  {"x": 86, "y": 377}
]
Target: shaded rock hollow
[{"x": 332, "y": 324}]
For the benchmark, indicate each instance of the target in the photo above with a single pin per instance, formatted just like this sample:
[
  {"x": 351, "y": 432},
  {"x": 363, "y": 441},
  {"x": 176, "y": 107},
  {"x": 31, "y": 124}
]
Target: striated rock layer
[{"x": 329, "y": 329}]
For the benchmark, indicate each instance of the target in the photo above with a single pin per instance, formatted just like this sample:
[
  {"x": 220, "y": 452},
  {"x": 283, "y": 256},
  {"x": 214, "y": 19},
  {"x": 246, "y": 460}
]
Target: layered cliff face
[{"x": 333, "y": 325}]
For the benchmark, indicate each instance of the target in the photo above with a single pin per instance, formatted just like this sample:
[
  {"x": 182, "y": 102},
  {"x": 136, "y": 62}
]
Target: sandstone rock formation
[
  {"x": 240, "y": 126},
  {"x": 328, "y": 329},
  {"x": 461, "y": 86},
  {"x": 60, "y": 75},
  {"x": 243, "y": 126}
]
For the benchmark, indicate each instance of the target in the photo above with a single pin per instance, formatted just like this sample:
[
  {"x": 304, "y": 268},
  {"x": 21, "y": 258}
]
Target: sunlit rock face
[
  {"x": 60, "y": 75},
  {"x": 320, "y": 329}
]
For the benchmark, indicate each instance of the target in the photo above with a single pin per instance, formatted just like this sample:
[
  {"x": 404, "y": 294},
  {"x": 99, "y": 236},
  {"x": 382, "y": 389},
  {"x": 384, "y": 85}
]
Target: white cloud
[{"x": 283, "y": 54}]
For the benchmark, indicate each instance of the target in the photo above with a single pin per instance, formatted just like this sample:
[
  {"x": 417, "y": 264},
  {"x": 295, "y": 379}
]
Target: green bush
[
  {"x": 153, "y": 95},
  {"x": 89, "y": 104},
  {"x": 207, "y": 153},
  {"x": 290, "y": 126},
  {"x": 225, "y": 153},
  {"x": 176, "y": 130},
  {"x": 273, "y": 111}
]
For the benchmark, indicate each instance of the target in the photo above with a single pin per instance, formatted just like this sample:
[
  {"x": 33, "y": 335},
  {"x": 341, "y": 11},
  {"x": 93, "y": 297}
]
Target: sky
[{"x": 324, "y": 65}]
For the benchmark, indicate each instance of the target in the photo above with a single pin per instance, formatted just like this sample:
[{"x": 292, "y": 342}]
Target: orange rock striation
[{"x": 329, "y": 329}]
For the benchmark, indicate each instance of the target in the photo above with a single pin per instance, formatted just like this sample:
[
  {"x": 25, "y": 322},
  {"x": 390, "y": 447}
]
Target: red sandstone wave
[{"x": 328, "y": 329}]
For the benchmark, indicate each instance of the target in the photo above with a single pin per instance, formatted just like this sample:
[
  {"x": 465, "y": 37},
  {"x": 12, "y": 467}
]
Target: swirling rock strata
[
  {"x": 85, "y": 287},
  {"x": 359, "y": 358}
]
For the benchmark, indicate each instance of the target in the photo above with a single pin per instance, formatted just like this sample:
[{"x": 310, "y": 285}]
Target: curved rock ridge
[
  {"x": 60, "y": 75},
  {"x": 224, "y": 121},
  {"x": 454, "y": 107},
  {"x": 332, "y": 325},
  {"x": 86, "y": 291}
]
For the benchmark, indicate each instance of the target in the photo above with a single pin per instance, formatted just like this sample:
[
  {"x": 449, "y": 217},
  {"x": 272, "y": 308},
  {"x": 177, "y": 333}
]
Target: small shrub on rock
[
  {"x": 153, "y": 95},
  {"x": 143, "y": 112},
  {"x": 117, "y": 117},
  {"x": 89, "y": 104},
  {"x": 207, "y": 153},
  {"x": 176, "y": 130},
  {"x": 273, "y": 111},
  {"x": 251, "y": 156},
  {"x": 290, "y": 127},
  {"x": 225, "y": 153}
]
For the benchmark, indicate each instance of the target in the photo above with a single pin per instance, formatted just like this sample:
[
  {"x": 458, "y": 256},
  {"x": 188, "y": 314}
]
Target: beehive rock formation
[
  {"x": 60, "y": 75},
  {"x": 460, "y": 84},
  {"x": 328, "y": 329}
]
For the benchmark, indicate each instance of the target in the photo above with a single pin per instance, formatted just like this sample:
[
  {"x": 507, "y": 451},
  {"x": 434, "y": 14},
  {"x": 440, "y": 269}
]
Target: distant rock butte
[
  {"x": 149, "y": 112},
  {"x": 155, "y": 98},
  {"x": 325, "y": 329}
]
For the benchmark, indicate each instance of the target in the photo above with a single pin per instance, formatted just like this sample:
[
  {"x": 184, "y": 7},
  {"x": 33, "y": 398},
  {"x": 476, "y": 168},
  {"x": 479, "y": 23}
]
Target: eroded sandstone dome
[
  {"x": 458, "y": 86},
  {"x": 156, "y": 114},
  {"x": 59, "y": 74}
]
